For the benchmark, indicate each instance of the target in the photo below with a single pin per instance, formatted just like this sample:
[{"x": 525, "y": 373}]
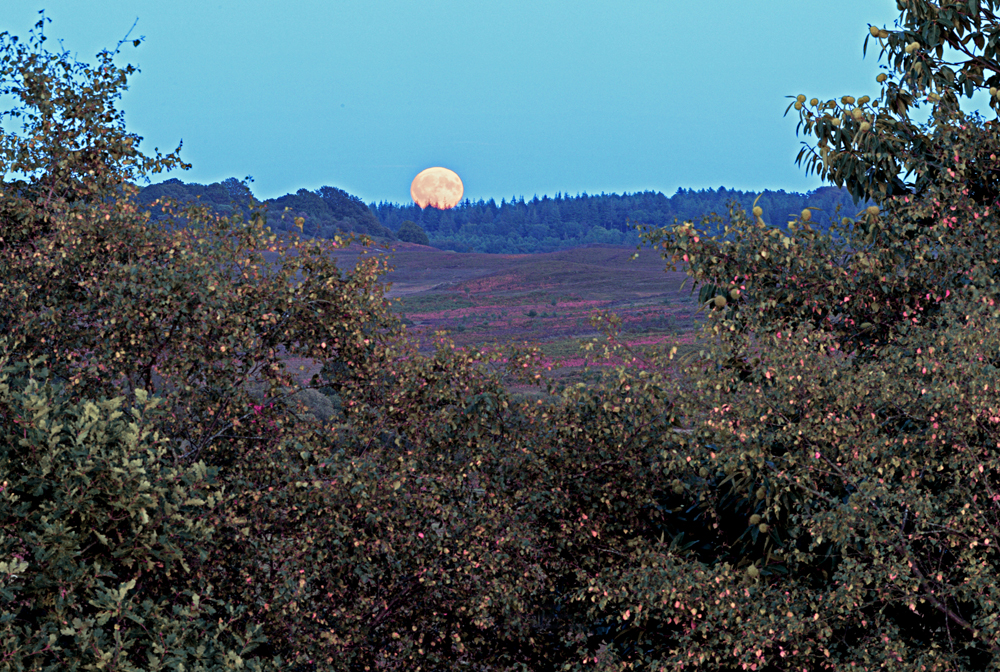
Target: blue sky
[{"x": 520, "y": 97}]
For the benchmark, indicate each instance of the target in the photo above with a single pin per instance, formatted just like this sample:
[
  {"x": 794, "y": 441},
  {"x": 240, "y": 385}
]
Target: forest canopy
[{"x": 516, "y": 226}]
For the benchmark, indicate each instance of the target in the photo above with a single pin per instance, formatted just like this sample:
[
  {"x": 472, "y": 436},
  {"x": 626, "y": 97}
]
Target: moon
[{"x": 437, "y": 187}]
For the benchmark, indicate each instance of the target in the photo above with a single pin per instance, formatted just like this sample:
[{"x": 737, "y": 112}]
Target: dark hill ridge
[
  {"x": 325, "y": 212},
  {"x": 512, "y": 227}
]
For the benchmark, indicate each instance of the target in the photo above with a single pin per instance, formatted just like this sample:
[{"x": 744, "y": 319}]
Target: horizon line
[{"x": 520, "y": 198}]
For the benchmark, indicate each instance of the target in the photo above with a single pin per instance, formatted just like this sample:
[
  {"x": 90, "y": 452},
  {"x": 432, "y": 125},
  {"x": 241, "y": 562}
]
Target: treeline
[
  {"x": 549, "y": 224},
  {"x": 510, "y": 227}
]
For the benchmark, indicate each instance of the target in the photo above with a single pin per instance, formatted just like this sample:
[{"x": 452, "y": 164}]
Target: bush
[
  {"x": 848, "y": 492},
  {"x": 104, "y": 542},
  {"x": 411, "y": 232}
]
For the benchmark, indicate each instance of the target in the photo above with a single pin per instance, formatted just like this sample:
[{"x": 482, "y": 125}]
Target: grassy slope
[{"x": 484, "y": 300}]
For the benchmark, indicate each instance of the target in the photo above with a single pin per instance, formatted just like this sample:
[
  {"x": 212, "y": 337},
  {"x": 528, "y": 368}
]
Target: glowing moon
[{"x": 438, "y": 187}]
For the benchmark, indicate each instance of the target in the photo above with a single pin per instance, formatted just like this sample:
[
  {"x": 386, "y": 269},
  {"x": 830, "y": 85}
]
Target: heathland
[{"x": 482, "y": 301}]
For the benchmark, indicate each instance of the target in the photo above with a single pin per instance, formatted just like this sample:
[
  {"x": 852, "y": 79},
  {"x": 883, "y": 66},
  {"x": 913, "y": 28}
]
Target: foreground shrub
[{"x": 100, "y": 540}]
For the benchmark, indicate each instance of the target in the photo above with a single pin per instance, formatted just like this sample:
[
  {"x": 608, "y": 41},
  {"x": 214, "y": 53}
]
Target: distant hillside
[
  {"x": 515, "y": 226},
  {"x": 326, "y": 212}
]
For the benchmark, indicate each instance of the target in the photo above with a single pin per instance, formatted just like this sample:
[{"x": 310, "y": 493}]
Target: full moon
[{"x": 438, "y": 187}]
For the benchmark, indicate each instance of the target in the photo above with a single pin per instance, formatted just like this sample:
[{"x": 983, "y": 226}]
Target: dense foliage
[
  {"x": 834, "y": 508},
  {"x": 411, "y": 232}
]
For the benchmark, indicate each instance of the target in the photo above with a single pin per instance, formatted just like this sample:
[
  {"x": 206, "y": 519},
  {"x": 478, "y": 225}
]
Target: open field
[{"x": 483, "y": 301}]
